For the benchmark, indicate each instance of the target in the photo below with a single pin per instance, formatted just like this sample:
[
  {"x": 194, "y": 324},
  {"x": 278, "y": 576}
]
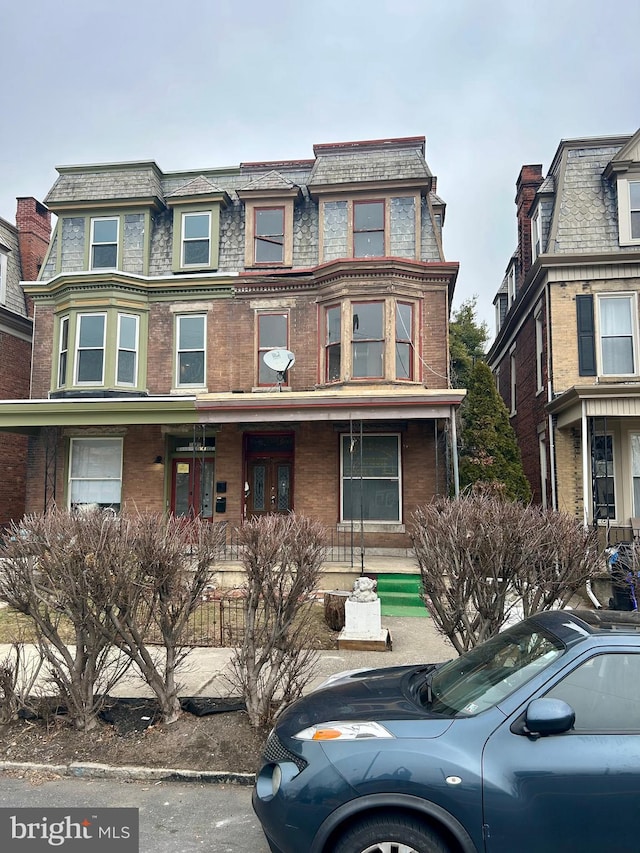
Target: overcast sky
[{"x": 492, "y": 84}]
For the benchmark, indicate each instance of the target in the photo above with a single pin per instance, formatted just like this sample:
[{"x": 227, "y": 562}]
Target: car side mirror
[{"x": 545, "y": 717}]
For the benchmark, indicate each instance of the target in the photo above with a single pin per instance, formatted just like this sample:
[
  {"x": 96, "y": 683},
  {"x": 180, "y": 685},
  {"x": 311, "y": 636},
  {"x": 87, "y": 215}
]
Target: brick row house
[
  {"x": 23, "y": 247},
  {"x": 161, "y": 295},
  {"x": 567, "y": 350}
]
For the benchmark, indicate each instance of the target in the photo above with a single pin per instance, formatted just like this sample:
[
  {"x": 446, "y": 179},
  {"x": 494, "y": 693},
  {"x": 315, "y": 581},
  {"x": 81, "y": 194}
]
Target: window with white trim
[
  {"x": 617, "y": 334},
  {"x": 104, "y": 243},
  {"x": 511, "y": 284},
  {"x": 63, "y": 351},
  {"x": 95, "y": 473},
  {"x": 90, "y": 340},
  {"x": 629, "y": 211},
  {"x": 190, "y": 350},
  {"x": 635, "y": 472},
  {"x": 536, "y": 234},
  {"x": 196, "y": 239},
  {"x": 127, "y": 349},
  {"x": 371, "y": 484}
]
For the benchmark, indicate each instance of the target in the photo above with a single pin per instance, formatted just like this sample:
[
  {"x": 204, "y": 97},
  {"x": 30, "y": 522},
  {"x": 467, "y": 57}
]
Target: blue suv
[{"x": 528, "y": 742}]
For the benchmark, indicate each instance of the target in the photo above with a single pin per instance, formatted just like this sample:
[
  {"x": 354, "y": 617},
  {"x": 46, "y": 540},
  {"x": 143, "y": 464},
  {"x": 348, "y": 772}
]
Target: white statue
[{"x": 364, "y": 589}]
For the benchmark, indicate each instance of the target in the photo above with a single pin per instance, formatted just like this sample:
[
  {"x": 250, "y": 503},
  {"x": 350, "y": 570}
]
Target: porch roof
[
  {"x": 617, "y": 400},
  {"x": 329, "y": 404},
  {"x": 32, "y": 415}
]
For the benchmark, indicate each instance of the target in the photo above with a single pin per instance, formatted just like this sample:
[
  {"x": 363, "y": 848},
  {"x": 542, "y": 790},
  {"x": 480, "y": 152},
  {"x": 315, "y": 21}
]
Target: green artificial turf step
[{"x": 400, "y": 595}]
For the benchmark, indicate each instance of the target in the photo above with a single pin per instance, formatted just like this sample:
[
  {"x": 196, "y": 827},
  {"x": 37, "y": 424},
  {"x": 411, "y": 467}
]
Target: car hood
[{"x": 374, "y": 694}]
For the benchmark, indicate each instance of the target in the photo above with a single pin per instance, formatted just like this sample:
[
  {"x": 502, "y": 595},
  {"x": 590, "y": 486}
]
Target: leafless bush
[
  {"x": 173, "y": 562},
  {"x": 482, "y": 556},
  {"x": 49, "y": 575},
  {"x": 282, "y": 556}
]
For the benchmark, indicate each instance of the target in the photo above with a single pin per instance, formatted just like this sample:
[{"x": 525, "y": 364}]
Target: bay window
[
  {"x": 273, "y": 333},
  {"x": 126, "y": 368},
  {"x": 367, "y": 343},
  {"x": 333, "y": 334},
  {"x": 404, "y": 340},
  {"x": 90, "y": 349}
]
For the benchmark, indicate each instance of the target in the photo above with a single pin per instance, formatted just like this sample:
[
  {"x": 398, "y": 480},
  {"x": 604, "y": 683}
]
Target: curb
[{"x": 89, "y": 770}]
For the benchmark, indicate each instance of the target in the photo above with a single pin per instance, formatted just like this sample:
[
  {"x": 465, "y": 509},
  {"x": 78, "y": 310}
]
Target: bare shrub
[
  {"x": 49, "y": 575},
  {"x": 282, "y": 556},
  {"x": 157, "y": 592},
  {"x": 19, "y": 674},
  {"x": 482, "y": 557}
]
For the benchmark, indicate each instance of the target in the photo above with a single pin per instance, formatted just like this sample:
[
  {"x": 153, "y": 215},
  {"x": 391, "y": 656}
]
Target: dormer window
[
  {"x": 368, "y": 229},
  {"x": 629, "y": 211},
  {"x": 104, "y": 243},
  {"x": 536, "y": 235},
  {"x": 269, "y": 235},
  {"x": 196, "y": 239},
  {"x": 634, "y": 209}
]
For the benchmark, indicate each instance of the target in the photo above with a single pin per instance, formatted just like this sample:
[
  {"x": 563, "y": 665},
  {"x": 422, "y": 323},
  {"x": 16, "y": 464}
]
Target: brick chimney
[
  {"x": 33, "y": 221},
  {"x": 529, "y": 180}
]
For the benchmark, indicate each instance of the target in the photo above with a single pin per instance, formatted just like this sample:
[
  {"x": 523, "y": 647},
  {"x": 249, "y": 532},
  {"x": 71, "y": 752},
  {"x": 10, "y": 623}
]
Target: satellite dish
[{"x": 279, "y": 360}]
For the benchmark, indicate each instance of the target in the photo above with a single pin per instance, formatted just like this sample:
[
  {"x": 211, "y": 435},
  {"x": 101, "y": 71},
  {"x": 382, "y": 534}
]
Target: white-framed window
[
  {"x": 89, "y": 357},
  {"x": 63, "y": 351},
  {"x": 127, "y": 349},
  {"x": 191, "y": 338},
  {"x": 95, "y": 473},
  {"x": 536, "y": 234},
  {"x": 635, "y": 472},
  {"x": 104, "y": 243},
  {"x": 539, "y": 351},
  {"x": 629, "y": 211},
  {"x": 604, "y": 481},
  {"x": 3, "y": 277},
  {"x": 513, "y": 385},
  {"x": 617, "y": 334},
  {"x": 371, "y": 478},
  {"x": 273, "y": 333},
  {"x": 196, "y": 239}
]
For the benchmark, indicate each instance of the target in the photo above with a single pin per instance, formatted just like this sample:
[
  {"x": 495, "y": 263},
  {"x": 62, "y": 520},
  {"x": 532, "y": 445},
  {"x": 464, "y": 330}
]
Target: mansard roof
[{"x": 105, "y": 182}]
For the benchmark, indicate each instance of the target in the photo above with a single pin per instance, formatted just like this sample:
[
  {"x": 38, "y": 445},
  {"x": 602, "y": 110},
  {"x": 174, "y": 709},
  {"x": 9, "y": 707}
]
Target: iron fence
[{"x": 343, "y": 546}]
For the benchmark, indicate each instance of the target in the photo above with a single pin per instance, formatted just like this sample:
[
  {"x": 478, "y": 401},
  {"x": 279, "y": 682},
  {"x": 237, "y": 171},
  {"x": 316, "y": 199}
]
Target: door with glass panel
[
  {"x": 192, "y": 487},
  {"x": 269, "y": 484}
]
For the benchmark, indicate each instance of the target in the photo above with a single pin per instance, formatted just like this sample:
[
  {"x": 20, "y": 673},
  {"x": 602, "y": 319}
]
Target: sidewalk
[{"x": 203, "y": 671}]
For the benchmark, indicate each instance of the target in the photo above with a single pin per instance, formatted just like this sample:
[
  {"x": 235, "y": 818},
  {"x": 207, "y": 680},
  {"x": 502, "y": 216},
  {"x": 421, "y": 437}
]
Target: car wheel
[{"x": 390, "y": 834}]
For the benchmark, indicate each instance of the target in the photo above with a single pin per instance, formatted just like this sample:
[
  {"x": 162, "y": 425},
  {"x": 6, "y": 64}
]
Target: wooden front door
[
  {"x": 269, "y": 486},
  {"x": 192, "y": 487}
]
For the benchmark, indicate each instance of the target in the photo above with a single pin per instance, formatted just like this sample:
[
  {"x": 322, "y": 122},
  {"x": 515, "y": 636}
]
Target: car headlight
[{"x": 338, "y": 730}]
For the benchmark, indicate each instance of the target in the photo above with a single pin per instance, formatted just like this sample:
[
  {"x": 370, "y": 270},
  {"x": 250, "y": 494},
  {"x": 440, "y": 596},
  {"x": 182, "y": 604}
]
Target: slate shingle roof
[
  {"x": 198, "y": 186},
  {"x": 350, "y": 166},
  {"x": 104, "y": 183}
]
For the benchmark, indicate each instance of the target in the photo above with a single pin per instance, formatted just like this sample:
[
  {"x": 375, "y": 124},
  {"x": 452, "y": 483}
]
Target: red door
[{"x": 192, "y": 487}]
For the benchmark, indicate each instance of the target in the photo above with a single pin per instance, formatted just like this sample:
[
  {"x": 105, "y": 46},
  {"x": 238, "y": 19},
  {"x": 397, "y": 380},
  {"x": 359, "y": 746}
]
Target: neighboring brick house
[
  {"x": 159, "y": 298},
  {"x": 22, "y": 250},
  {"x": 567, "y": 351}
]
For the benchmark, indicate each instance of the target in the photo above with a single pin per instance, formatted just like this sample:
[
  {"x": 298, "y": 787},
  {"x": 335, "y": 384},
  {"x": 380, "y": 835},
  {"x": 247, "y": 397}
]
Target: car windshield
[{"x": 484, "y": 676}]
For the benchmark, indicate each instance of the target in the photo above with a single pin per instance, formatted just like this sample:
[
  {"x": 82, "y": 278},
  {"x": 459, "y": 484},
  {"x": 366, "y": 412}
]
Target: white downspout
[
  {"x": 454, "y": 455},
  {"x": 552, "y": 437},
  {"x": 585, "y": 467}
]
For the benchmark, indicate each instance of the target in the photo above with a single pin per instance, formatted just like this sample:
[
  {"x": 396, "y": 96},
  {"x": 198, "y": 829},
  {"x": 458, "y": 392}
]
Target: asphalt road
[{"x": 174, "y": 817}]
